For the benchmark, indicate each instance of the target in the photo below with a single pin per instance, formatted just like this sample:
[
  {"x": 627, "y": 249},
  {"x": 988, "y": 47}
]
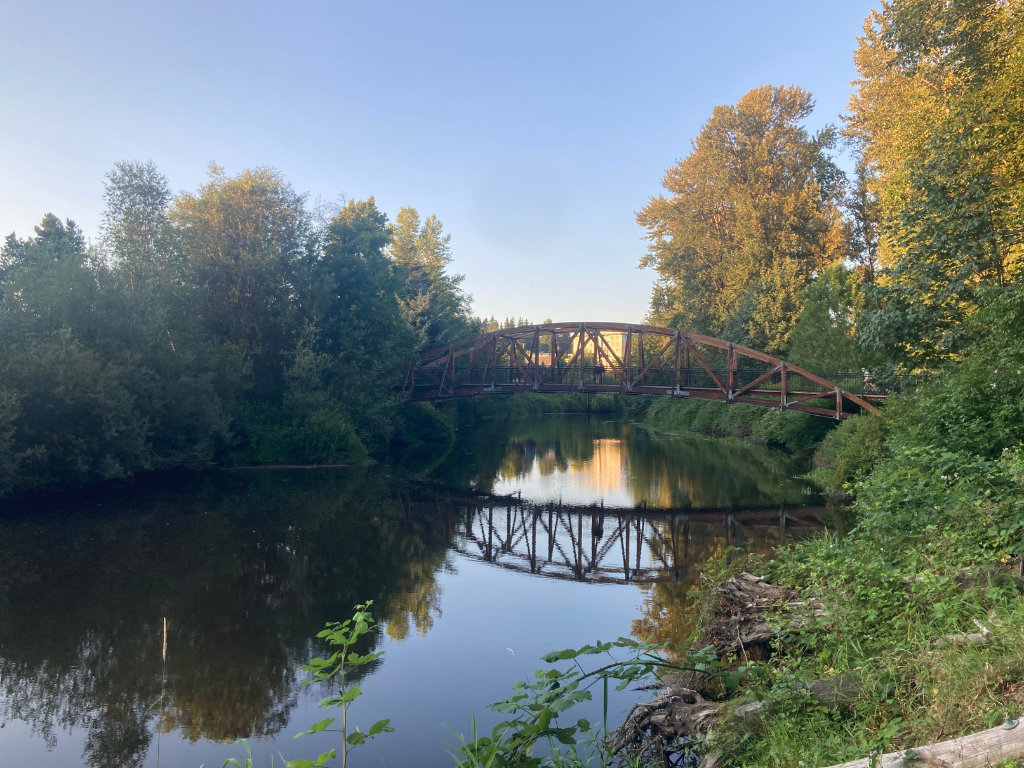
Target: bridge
[
  {"x": 592, "y": 543},
  {"x": 620, "y": 358}
]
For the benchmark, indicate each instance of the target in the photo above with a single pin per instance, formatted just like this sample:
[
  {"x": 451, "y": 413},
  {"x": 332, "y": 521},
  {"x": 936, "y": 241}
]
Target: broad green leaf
[
  {"x": 317, "y": 727},
  {"x": 356, "y": 739}
]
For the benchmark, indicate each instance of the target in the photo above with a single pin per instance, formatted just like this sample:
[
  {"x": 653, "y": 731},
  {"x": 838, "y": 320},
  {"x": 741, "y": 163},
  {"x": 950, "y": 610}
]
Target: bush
[
  {"x": 790, "y": 430},
  {"x": 850, "y": 452}
]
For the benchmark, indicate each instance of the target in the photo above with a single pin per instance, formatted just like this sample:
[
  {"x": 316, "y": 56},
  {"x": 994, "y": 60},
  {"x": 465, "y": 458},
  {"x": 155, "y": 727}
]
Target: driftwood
[
  {"x": 742, "y": 620},
  {"x": 746, "y": 602},
  {"x": 979, "y": 749},
  {"x": 679, "y": 712}
]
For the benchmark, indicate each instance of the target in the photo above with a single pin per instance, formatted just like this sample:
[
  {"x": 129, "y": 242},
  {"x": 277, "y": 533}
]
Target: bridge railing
[
  {"x": 626, "y": 359},
  {"x": 695, "y": 378}
]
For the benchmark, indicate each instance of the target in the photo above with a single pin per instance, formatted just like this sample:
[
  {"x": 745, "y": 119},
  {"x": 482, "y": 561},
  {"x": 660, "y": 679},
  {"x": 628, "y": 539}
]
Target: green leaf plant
[
  {"x": 337, "y": 668},
  {"x": 534, "y": 708}
]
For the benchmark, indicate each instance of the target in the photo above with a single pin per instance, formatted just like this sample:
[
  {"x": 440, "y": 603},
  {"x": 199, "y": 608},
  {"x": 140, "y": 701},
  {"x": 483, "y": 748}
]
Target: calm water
[{"x": 534, "y": 537}]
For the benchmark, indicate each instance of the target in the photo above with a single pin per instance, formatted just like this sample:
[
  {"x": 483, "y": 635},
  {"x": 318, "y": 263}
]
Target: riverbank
[
  {"x": 797, "y": 433},
  {"x": 921, "y": 619}
]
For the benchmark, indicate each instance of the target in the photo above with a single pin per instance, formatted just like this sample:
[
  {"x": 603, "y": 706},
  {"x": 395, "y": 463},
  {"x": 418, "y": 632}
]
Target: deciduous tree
[{"x": 752, "y": 215}]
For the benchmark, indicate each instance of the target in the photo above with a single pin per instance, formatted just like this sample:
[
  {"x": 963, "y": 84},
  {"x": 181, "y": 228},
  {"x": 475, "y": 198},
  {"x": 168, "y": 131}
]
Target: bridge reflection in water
[{"x": 591, "y": 543}]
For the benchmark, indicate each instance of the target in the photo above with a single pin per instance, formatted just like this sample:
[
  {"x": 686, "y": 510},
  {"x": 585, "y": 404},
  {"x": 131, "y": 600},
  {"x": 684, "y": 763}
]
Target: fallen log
[{"x": 989, "y": 747}]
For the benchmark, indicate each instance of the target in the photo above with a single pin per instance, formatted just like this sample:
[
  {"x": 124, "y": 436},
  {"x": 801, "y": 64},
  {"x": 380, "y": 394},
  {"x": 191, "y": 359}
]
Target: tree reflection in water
[
  {"x": 247, "y": 566},
  {"x": 245, "y": 569}
]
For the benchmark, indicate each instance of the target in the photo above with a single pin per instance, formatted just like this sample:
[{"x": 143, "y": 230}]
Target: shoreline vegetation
[{"x": 181, "y": 338}]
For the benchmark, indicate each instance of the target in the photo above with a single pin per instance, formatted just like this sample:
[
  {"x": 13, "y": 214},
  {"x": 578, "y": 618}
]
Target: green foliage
[
  {"x": 977, "y": 404},
  {"x": 851, "y": 451},
  {"x": 752, "y": 218},
  {"x": 224, "y": 325},
  {"x": 352, "y": 288},
  {"x": 938, "y": 111},
  {"x": 925, "y": 561},
  {"x": 824, "y": 337},
  {"x": 424, "y": 436},
  {"x": 535, "y": 707},
  {"x": 344, "y": 636},
  {"x": 793, "y": 431},
  {"x": 433, "y": 301}
]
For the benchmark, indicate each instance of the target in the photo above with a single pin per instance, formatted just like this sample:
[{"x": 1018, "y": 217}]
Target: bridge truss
[
  {"x": 592, "y": 543},
  {"x": 620, "y": 358}
]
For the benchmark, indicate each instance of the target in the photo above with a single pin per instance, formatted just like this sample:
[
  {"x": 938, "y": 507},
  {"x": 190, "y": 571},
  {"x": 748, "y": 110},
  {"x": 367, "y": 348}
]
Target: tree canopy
[
  {"x": 752, "y": 216},
  {"x": 224, "y": 324}
]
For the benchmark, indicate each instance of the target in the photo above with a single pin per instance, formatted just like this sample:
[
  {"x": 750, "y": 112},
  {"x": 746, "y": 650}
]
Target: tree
[
  {"x": 135, "y": 221},
  {"x": 352, "y": 289},
  {"x": 239, "y": 239},
  {"x": 936, "y": 111},
  {"x": 824, "y": 338},
  {"x": 433, "y": 301},
  {"x": 754, "y": 210}
]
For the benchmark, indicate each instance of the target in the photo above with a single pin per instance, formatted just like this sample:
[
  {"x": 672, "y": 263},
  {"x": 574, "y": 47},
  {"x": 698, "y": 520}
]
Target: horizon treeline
[{"x": 235, "y": 323}]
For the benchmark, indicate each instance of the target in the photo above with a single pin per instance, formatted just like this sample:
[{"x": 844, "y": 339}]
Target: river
[{"x": 525, "y": 538}]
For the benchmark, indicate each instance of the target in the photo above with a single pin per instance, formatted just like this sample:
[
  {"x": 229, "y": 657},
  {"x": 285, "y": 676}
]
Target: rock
[
  {"x": 747, "y": 716},
  {"x": 835, "y": 692}
]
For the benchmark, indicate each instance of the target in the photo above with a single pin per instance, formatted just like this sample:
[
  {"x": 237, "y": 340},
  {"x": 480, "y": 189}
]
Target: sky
[{"x": 534, "y": 130}]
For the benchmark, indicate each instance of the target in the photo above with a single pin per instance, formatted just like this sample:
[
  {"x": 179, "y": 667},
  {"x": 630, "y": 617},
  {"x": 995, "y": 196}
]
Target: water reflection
[
  {"x": 246, "y": 566},
  {"x": 624, "y": 466},
  {"x": 602, "y": 545}
]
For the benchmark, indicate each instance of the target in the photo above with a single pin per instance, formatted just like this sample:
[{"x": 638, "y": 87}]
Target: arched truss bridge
[{"x": 628, "y": 359}]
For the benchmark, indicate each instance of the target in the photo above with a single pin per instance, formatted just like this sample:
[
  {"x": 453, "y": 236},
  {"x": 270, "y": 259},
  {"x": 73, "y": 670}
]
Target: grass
[{"x": 930, "y": 557}]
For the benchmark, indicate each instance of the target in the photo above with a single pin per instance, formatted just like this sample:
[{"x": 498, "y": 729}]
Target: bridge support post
[
  {"x": 675, "y": 378},
  {"x": 731, "y": 364}
]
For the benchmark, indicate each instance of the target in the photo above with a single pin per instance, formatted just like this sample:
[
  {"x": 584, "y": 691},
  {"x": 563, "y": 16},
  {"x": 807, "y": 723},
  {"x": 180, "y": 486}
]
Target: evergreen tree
[{"x": 433, "y": 301}]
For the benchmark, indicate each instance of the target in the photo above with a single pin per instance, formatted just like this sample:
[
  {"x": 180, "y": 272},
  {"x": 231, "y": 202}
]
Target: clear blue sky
[{"x": 534, "y": 130}]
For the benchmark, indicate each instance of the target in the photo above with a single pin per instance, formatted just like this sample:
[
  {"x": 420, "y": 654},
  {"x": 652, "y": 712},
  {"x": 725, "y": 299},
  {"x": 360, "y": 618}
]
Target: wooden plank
[{"x": 989, "y": 747}]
